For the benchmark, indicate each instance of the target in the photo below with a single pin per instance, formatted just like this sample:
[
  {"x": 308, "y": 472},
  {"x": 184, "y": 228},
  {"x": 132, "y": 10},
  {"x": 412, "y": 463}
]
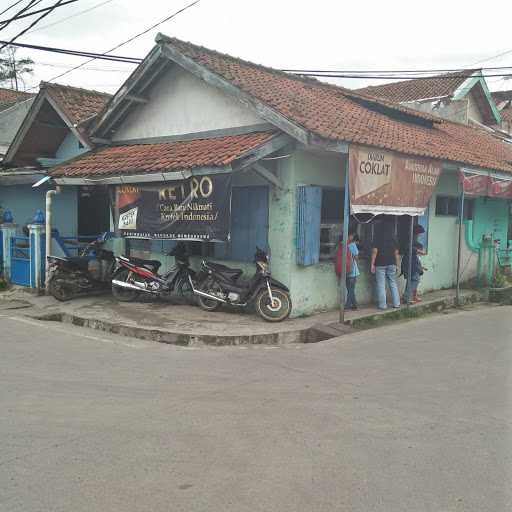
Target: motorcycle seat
[
  {"x": 154, "y": 265},
  {"x": 233, "y": 273}
]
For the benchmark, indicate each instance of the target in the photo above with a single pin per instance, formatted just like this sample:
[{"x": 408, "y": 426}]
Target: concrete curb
[
  {"x": 309, "y": 335},
  {"x": 414, "y": 311}
]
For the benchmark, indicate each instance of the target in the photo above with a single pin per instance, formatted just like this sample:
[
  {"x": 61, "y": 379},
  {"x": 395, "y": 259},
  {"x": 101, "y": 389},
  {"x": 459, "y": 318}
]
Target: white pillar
[
  {"x": 36, "y": 255},
  {"x": 8, "y": 231}
]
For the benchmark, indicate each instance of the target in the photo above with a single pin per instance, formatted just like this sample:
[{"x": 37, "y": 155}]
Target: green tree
[{"x": 13, "y": 69}]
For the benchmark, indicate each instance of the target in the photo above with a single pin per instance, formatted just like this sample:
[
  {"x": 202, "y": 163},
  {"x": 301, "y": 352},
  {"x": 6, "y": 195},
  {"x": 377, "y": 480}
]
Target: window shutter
[
  {"x": 249, "y": 224},
  {"x": 423, "y": 221},
  {"x": 309, "y": 207}
]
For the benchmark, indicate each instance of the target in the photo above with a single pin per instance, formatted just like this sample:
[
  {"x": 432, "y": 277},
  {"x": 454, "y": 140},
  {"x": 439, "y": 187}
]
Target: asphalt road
[{"x": 411, "y": 417}]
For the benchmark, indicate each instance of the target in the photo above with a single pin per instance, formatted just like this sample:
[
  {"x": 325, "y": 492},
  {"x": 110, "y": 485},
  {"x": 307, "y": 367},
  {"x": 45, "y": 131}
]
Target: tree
[{"x": 12, "y": 69}]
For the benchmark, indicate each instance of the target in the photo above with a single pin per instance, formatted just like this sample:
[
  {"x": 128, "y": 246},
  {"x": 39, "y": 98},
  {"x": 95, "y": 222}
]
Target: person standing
[
  {"x": 412, "y": 283},
  {"x": 385, "y": 262},
  {"x": 353, "y": 254}
]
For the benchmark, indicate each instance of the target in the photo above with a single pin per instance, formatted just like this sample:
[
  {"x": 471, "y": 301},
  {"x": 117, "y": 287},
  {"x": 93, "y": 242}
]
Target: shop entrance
[{"x": 93, "y": 210}]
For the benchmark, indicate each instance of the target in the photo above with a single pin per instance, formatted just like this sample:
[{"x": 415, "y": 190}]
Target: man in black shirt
[{"x": 385, "y": 263}]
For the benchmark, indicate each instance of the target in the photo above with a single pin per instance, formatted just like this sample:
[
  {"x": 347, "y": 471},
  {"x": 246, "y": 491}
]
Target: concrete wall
[
  {"x": 315, "y": 288},
  {"x": 23, "y": 201},
  {"x": 452, "y": 110},
  {"x": 70, "y": 147},
  {"x": 180, "y": 104},
  {"x": 473, "y": 109}
]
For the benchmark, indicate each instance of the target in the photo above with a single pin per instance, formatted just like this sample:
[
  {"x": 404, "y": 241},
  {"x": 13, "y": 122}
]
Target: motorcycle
[
  {"x": 88, "y": 273},
  {"x": 135, "y": 276},
  {"x": 217, "y": 284}
]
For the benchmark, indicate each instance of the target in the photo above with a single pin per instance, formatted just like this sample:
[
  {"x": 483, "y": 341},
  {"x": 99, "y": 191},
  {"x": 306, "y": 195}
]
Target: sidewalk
[{"x": 189, "y": 325}]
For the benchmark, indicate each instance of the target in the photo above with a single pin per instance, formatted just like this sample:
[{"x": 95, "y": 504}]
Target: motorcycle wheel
[
  {"x": 206, "y": 303},
  {"x": 276, "y": 311},
  {"x": 123, "y": 294},
  {"x": 60, "y": 290}
]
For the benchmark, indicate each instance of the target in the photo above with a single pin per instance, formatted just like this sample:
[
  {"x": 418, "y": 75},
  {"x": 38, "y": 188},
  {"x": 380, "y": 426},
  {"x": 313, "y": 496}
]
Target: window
[
  {"x": 319, "y": 223},
  {"x": 331, "y": 221},
  {"x": 449, "y": 206}
]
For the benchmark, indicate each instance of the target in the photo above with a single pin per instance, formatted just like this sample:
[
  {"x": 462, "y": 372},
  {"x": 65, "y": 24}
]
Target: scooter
[
  {"x": 134, "y": 276},
  {"x": 86, "y": 274},
  {"x": 217, "y": 285}
]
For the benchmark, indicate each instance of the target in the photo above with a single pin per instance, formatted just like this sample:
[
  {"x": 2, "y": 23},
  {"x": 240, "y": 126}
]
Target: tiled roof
[
  {"x": 78, "y": 104},
  {"x": 413, "y": 90},
  {"x": 9, "y": 97},
  {"x": 162, "y": 157},
  {"x": 340, "y": 114}
]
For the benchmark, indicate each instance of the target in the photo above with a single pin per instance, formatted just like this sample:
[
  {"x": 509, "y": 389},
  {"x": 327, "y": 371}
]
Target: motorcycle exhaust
[
  {"x": 138, "y": 287},
  {"x": 208, "y": 296}
]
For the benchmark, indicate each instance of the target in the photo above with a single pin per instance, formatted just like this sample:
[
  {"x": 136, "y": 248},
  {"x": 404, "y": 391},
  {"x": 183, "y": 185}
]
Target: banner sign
[
  {"x": 198, "y": 208},
  {"x": 385, "y": 182},
  {"x": 486, "y": 185}
]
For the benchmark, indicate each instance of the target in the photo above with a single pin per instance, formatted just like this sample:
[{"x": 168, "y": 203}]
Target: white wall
[
  {"x": 473, "y": 109},
  {"x": 180, "y": 103}
]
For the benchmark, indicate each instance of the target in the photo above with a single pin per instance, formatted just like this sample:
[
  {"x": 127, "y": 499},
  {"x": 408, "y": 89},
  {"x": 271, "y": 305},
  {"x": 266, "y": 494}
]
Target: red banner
[
  {"x": 501, "y": 188},
  {"x": 475, "y": 184},
  {"x": 486, "y": 185}
]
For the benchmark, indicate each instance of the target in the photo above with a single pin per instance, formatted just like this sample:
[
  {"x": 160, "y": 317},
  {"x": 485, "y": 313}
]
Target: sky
[{"x": 325, "y": 34}]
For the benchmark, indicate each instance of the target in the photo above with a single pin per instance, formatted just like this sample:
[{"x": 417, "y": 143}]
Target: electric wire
[
  {"x": 10, "y": 7},
  {"x": 32, "y": 3},
  {"x": 70, "y": 17},
  {"x": 34, "y": 23},
  {"x": 31, "y": 13},
  {"x": 127, "y": 41}
]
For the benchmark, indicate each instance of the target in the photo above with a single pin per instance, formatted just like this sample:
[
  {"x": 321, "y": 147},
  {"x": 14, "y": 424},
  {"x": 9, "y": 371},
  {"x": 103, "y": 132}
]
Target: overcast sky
[{"x": 328, "y": 34}]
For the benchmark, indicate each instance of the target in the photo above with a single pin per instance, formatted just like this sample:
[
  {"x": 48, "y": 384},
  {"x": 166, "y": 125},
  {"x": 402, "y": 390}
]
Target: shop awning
[{"x": 486, "y": 183}]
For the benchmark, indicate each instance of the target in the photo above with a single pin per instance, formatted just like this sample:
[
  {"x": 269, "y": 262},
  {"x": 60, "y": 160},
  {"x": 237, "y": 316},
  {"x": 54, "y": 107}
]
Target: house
[
  {"x": 282, "y": 143},
  {"x": 53, "y": 130},
  {"x": 43, "y": 131},
  {"x": 14, "y": 106},
  {"x": 503, "y": 101},
  {"x": 463, "y": 96}
]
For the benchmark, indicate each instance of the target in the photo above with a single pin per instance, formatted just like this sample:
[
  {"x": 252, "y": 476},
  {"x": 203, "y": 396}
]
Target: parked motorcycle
[
  {"x": 217, "y": 284},
  {"x": 135, "y": 276},
  {"x": 88, "y": 273}
]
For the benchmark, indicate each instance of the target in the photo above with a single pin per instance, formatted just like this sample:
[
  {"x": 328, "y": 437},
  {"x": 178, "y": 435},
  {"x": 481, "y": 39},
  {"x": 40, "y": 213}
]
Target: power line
[
  {"x": 493, "y": 57},
  {"x": 32, "y": 3},
  {"x": 70, "y": 17},
  {"x": 54, "y": 6},
  {"x": 89, "y": 68},
  {"x": 11, "y": 6},
  {"x": 394, "y": 71},
  {"x": 387, "y": 77},
  {"x": 321, "y": 74},
  {"x": 76, "y": 53},
  {"x": 31, "y": 13},
  {"x": 128, "y": 40}
]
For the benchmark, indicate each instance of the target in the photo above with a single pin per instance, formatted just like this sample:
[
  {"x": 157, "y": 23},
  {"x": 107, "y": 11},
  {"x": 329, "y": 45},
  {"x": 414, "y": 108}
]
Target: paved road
[{"x": 412, "y": 417}]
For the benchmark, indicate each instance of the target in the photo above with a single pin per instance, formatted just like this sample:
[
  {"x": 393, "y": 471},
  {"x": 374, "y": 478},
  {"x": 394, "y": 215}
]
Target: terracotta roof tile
[
  {"x": 78, "y": 104},
  {"x": 340, "y": 114},
  {"x": 412, "y": 90},
  {"x": 9, "y": 97},
  {"x": 162, "y": 157}
]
